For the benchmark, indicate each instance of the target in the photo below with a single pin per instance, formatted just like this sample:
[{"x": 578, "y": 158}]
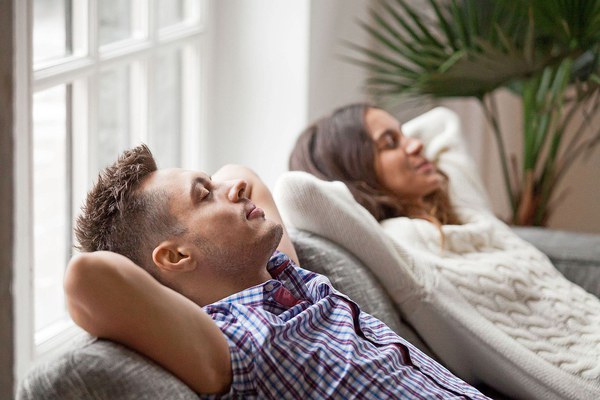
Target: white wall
[
  {"x": 276, "y": 66},
  {"x": 257, "y": 100},
  {"x": 334, "y": 82}
]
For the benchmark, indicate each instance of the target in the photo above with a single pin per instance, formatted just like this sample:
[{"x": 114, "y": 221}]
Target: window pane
[
  {"x": 51, "y": 29},
  {"x": 115, "y": 20},
  {"x": 50, "y": 204},
  {"x": 165, "y": 133},
  {"x": 112, "y": 133},
  {"x": 170, "y": 12}
]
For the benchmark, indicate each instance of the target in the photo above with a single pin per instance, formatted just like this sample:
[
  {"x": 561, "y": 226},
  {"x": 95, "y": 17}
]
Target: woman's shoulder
[{"x": 410, "y": 231}]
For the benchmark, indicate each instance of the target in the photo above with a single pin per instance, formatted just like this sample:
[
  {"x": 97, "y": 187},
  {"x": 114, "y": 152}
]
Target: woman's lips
[{"x": 426, "y": 167}]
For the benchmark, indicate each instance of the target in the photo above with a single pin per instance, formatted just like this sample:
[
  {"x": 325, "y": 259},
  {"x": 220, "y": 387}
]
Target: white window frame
[{"x": 78, "y": 68}]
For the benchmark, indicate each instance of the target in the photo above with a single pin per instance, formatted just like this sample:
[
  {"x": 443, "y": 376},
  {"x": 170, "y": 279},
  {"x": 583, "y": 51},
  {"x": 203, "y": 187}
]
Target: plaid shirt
[{"x": 296, "y": 337}]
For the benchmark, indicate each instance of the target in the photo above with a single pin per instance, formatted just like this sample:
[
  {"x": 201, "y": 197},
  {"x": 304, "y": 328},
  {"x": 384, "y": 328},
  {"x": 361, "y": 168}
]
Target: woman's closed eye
[{"x": 389, "y": 140}]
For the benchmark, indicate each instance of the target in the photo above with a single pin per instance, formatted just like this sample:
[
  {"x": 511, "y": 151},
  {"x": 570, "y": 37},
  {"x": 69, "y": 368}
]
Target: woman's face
[{"x": 399, "y": 164}]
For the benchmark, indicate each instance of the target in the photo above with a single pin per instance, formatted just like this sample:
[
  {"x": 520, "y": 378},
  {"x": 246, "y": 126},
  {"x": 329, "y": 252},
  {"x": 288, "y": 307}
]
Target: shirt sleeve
[{"x": 242, "y": 351}]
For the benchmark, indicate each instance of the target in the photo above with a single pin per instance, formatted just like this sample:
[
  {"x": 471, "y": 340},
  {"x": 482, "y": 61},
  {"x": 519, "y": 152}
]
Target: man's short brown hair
[{"x": 117, "y": 216}]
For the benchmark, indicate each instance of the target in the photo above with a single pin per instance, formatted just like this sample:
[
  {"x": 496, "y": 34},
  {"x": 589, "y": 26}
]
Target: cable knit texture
[{"x": 490, "y": 305}]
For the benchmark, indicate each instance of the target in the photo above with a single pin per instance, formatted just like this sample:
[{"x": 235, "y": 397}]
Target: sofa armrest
[
  {"x": 575, "y": 255},
  {"x": 103, "y": 370}
]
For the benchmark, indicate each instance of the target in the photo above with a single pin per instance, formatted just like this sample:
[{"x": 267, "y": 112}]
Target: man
[{"x": 215, "y": 306}]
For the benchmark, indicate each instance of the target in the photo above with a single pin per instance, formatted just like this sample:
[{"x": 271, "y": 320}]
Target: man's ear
[{"x": 171, "y": 257}]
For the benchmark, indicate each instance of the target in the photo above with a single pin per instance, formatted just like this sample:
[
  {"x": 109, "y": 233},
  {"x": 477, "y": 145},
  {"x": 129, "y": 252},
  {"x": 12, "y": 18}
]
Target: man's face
[{"x": 230, "y": 235}]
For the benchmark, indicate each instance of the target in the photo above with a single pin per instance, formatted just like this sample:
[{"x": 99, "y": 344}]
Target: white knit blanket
[{"x": 490, "y": 305}]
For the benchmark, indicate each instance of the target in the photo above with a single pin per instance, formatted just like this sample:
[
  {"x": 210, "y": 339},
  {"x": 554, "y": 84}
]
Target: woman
[
  {"x": 387, "y": 173},
  {"x": 477, "y": 282}
]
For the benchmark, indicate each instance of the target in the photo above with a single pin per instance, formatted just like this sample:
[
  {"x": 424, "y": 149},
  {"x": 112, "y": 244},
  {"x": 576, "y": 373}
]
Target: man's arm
[
  {"x": 111, "y": 297},
  {"x": 260, "y": 195}
]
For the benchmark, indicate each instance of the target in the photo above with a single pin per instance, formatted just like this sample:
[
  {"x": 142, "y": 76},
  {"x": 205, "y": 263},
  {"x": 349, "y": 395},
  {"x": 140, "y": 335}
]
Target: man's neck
[{"x": 203, "y": 294}]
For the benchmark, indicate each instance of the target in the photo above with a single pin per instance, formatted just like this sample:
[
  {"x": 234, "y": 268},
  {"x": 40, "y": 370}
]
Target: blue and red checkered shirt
[{"x": 296, "y": 337}]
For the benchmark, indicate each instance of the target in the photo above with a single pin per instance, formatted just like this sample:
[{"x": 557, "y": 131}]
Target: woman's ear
[{"x": 170, "y": 257}]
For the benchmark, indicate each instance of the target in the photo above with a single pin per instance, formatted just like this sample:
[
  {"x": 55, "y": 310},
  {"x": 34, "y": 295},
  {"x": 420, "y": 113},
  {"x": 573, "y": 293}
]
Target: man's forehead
[{"x": 173, "y": 177}]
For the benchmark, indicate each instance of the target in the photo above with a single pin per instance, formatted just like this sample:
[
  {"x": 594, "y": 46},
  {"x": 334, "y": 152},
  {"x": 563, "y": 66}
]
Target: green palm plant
[{"x": 545, "y": 51}]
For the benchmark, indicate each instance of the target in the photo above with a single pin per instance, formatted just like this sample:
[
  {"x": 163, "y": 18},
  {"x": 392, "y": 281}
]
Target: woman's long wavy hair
[{"x": 338, "y": 147}]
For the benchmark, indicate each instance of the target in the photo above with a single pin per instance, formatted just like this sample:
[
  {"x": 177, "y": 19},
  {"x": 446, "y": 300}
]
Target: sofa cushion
[{"x": 102, "y": 370}]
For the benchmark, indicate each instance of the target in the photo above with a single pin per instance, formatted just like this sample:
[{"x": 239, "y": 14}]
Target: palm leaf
[{"x": 477, "y": 73}]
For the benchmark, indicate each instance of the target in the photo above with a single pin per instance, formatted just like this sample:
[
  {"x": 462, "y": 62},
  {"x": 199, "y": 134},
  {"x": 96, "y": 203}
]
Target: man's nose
[
  {"x": 414, "y": 146},
  {"x": 237, "y": 190}
]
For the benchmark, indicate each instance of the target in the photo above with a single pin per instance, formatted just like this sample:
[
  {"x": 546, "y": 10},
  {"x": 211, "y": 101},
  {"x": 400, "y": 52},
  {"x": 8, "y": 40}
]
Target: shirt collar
[{"x": 256, "y": 294}]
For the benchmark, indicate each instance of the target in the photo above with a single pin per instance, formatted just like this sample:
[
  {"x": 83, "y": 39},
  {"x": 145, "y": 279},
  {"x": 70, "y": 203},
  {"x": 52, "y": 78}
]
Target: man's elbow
[
  {"x": 219, "y": 380},
  {"x": 80, "y": 278}
]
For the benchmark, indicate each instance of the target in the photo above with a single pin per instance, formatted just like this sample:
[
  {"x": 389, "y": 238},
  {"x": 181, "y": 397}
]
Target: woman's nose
[
  {"x": 414, "y": 146},
  {"x": 237, "y": 190}
]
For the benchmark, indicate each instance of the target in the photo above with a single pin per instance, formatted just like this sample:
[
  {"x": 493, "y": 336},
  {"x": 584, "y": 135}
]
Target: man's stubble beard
[{"x": 236, "y": 262}]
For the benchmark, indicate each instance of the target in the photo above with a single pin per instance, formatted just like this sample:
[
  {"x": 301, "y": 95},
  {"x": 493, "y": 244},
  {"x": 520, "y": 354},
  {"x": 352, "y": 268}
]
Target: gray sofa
[{"x": 100, "y": 369}]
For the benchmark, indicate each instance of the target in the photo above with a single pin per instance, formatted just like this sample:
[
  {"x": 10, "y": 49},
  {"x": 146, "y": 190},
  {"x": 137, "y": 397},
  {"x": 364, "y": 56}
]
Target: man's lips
[{"x": 254, "y": 212}]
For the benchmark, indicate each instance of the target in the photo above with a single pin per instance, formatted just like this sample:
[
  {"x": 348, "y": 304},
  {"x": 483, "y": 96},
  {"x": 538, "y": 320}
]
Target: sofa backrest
[{"x": 348, "y": 275}]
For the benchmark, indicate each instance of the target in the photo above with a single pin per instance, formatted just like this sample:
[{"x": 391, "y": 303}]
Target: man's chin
[
  {"x": 277, "y": 234},
  {"x": 268, "y": 243}
]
